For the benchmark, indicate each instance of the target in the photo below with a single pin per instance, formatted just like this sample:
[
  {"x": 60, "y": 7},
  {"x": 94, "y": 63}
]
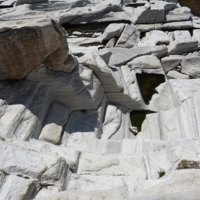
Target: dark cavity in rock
[
  {"x": 89, "y": 29},
  {"x": 194, "y": 5},
  {"x": 5, "y": 6},
  {"x": 148, "y": 83},
  {"x": 135, "y": 5},
  {"x": 137, "y": 118}
]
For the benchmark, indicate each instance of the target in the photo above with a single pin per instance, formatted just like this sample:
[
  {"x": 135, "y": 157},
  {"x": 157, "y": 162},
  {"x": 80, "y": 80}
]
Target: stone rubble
[{"x": 72, "y": 75}]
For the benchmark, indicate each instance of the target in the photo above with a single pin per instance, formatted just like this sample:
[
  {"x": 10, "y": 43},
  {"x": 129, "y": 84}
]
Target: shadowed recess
[
  {"x": 5, "y": 6},
  {"x": 89, "y": 28},
  {"x": 137, "y": 118},
  {"x": 194, "y": 5},
  {"x": 148, "y": 83}
]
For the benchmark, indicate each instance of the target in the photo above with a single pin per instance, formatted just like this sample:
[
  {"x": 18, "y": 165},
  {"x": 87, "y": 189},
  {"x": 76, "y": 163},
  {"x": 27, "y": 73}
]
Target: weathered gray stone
[
  {"x": 153, "y": 13},
  {"x": 112, "y": 122},
  {"x": 120, "y": 56},
  {"x": 129, "y": 37},
  {"x": 2, "y": 178},
  {"x": 149, "y": 64},
  {"x": 57, "y": 117},
  {"x": 111, "y": 43},
  {"x": 113, "y": 30},
  {"x": 170, "y": 62},
  {"x": 178, "y": 14},
  {"x": 16, "y": 188},
  {"x": 196, "y": 35},
  {"x": 112, "y": 165},
  {"x": 67, "y": 126},
  {"x": 176, "y": 75},
  {"x": 105, "y": 74},
  {"x": 190, "y": 65},
  {"x": 155, "y": 38},
  {"x": 182, "y": 42},
  {"x": 193, "y": 194},
  {"x": 180, "y": 25}
]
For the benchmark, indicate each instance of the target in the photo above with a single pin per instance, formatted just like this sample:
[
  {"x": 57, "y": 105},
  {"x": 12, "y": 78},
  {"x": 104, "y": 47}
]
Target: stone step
[
  {"x": 162, "y": 157},
  {"x": 40, "y": 167},
  {"x": 192, "y": 194},
  {"x": 178, "y": 182},
  {"x": 103, "y": 182},
  {"x": 102, "y": 164},
  {"x": 164, "y": 187},
  {"x": 90, "y": 195}
]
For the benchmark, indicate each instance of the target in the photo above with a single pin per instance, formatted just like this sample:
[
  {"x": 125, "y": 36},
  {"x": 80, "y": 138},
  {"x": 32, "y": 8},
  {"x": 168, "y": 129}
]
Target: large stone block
[{"x": 25, "y": 44}]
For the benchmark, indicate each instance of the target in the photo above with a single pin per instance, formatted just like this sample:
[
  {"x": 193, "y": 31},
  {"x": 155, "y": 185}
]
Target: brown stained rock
[
  {"x": 26, "y": 44},
  {"x": 56, "y": 61},
  {"x": 188, "y": 164}
]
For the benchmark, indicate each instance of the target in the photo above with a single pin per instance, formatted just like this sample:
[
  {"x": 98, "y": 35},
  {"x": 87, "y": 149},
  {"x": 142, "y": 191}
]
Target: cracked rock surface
[{"x": 99, "y": 100}]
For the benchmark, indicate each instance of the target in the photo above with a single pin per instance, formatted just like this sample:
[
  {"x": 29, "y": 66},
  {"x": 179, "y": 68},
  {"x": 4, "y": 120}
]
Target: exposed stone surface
[
  {"x": 171, "y": 62},
  {"x": 176, "y": 75},
  {"x": 18, "y": 187},
  {"x": 113, "y": 30},
  {"x": 99, "y": 100},
  {"x": 149, "y": 64},
  {"x": 57, "y": 116},
  {"x": 190, "y": 65},
  {"x": 29, "y": 42},
  {"x": 196, "y": 35},
  {"x": 120, "y": 56},
  {"x": 129, "y": 37},
  {"x": 56, "y": 61},
  {"x": 179, "y": 14},
  {"x": 155, "y": 38},
  {"x": 102, "y": 182},
  {"x": 182, "y": 42},
  {"x": 95, "y": 194},
  {"x": 112, "y": 122},
  {"x": 104, "y": 73}
]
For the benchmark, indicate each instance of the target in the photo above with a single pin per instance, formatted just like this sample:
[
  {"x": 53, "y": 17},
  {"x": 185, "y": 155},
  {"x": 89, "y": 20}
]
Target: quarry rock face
[
  {"x": 99, "y": 100},
  {"x": 26, "y": 43}
]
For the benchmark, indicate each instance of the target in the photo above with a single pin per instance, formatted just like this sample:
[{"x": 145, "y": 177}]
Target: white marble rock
[
  {"x": 71, "y": 105},
  {"x": 190, "y": 65},
  {"x": 176, "y": 75}
]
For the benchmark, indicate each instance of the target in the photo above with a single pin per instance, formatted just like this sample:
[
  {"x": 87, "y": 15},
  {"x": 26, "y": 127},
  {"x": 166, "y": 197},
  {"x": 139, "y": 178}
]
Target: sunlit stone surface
[{"x": 99, "y": 100}]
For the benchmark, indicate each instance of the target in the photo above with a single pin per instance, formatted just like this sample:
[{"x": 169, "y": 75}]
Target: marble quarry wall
[{"x": 99, "y": 100}]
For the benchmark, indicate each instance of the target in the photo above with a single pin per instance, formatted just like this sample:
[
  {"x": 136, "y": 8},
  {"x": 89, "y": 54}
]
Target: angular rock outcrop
[
  {"x": 27, "y": 43},
  {"x": 190, "y": 65},
  {"x": 99, "y": 100}
]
